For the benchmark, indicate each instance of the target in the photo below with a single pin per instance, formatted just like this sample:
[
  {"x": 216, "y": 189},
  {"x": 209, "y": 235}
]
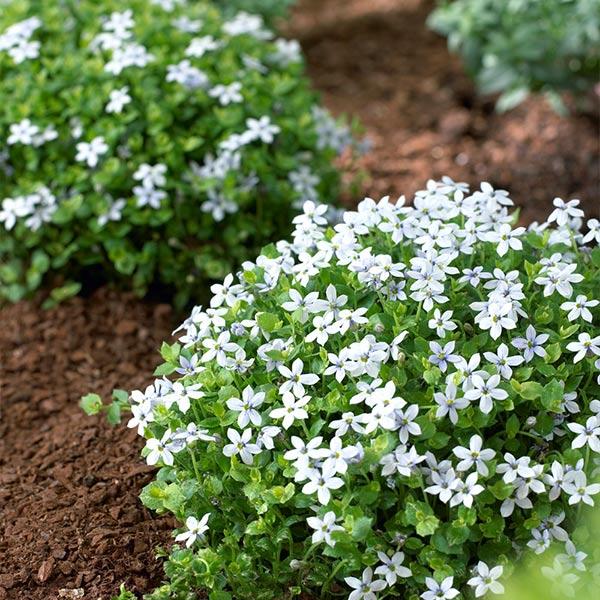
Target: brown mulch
[
  {"x": 70, "y": 516},
  {"x": 376, "y": 59}
]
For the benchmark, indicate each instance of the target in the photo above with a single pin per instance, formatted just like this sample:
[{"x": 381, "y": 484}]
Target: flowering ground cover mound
[
  {"x": 155, "y": 141},
  {"x": 398, "y": 406}
]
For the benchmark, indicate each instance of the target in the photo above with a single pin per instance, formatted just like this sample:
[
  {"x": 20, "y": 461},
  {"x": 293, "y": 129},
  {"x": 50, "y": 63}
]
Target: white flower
[
  {"x": 586, "y": 434},
  {"x": 322, "y": 482},
  {"x": 320, "y": 333},
  {"x": 577, "y": 488},
  {"x": 405, "y": 421},
  {"x": 118, "y": 99},
  {"x": 292, "y": 409},
  {"x": 392, "y": 567},
  {"x": 439, "y": 591},
  {"x": 90, "y": 153},
  {"x": 218, "y": 349},
  {"x": 195, "y": 530},
  {"x": 573, "y": 559},
  {"x": 564, "y": 211},
  {"x": 505, "y": 237},
  {"x": 187, "y": 75},
  {"x": 159, "y": 450},
  {"x": 365, "y": 588},
  {"x": 441, "y": 322},
  {"x": 348, "y": 421},
  {"x": 442, "y": 356},
  {"x": 240, "y": 444},
  {"x": 474, "y": 455},
  {"x": 182, "y": 396},
  {"x": 444, "y": 483},
  {"x": 324, "y": 528},
  {"x": 466, "y": 491},
  {"x": 113, "y": 213},
  {"x": 227, "y": 94},
  {"x": 531, "y": 344},
  {"x": 486, "y": 580},
  {"x": 261, "y": 129},
  {"x": 593, "y": 233},
  {"x": 200, "y": 46},
  {"x": 148, "y": 196},
  {"x": 559, "y": 280},
  {"x": 296, "y": 379},
  {"x": 502, "y": 361},
  {"x": 449, "y": 404},
  {"x": 580, "y": 308},
  {"x": 486, "y": 391},
  {"x": 246, "y": 407},
  {"x": 496, "y": 317},
  {"x": 24, "y": 132},
  {"x": 301, "y": 452},
  {"x": 151, "y": 176},
  {"x": 585, "y": 346},
  {"x": 338, "y": 456}
]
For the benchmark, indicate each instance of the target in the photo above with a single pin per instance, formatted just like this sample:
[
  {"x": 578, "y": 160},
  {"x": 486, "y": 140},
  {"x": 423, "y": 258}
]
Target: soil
[
  {"x": 378, "y": 61},
  {"x": 70, "y": 519}
]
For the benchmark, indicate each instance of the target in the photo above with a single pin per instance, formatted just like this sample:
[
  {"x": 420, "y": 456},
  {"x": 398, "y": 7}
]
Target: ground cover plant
[
  {"x": 398, "y": 406},
  {"x": 522, "y": 46},
  {"x": 152, "y": 141}
]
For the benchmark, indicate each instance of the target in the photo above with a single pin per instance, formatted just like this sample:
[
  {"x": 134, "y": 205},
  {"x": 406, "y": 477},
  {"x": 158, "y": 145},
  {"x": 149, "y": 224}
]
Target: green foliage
[
  {"x": 518, "y": 47},
  {"x": 228, "y": 164}
]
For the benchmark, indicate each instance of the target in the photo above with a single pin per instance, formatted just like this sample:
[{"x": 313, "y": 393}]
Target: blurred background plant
[
  {"x": 519, "y": 47},
  {"x": 559, "y": 573}
]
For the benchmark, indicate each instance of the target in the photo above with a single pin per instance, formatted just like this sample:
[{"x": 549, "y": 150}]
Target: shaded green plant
[{"x": 519, "y": 47}]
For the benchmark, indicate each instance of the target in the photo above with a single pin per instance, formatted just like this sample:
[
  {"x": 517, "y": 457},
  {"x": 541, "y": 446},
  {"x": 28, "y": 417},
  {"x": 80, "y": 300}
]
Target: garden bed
[{"x": 69, "y": 484}]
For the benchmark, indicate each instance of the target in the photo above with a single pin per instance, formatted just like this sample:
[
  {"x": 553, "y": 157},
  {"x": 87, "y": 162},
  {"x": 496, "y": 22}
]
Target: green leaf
[
  {"x": 530, "y": 390},
  {"x": 553, "y": 352},
  {"x": 164, "y": 369},
  {"x": 113, "y": 413},
  {"x": 552, "y": 395},
  {"x": 361, "y": 528},
  {"x": 512, "y": 426},
  {"x": 268, "y": 322},
  {"x": 91, "y": 404},
  {"x": 121, "y": 396},
  {"x": 65, "y": 291},
  {"x": 457, "y": 534},
  {"x": 511, "y": 98}
]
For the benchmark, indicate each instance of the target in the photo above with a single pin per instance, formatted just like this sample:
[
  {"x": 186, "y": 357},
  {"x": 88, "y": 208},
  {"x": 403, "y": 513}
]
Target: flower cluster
[
  {"x": 183, "y": 145},
  {"x": 400, "y": 404}
]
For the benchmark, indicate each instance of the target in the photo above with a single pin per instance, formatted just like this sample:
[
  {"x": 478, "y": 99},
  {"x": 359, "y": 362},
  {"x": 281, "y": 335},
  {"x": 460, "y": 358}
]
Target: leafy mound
[
  {"x": 149, "y": 142},
  {"x": 519, "y": 47},
  {"x": 398, "y": 406}
]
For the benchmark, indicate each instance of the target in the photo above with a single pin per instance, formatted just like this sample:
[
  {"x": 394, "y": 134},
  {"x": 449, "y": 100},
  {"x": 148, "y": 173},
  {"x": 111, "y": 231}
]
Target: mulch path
[{"x": 70, "y": 517}]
